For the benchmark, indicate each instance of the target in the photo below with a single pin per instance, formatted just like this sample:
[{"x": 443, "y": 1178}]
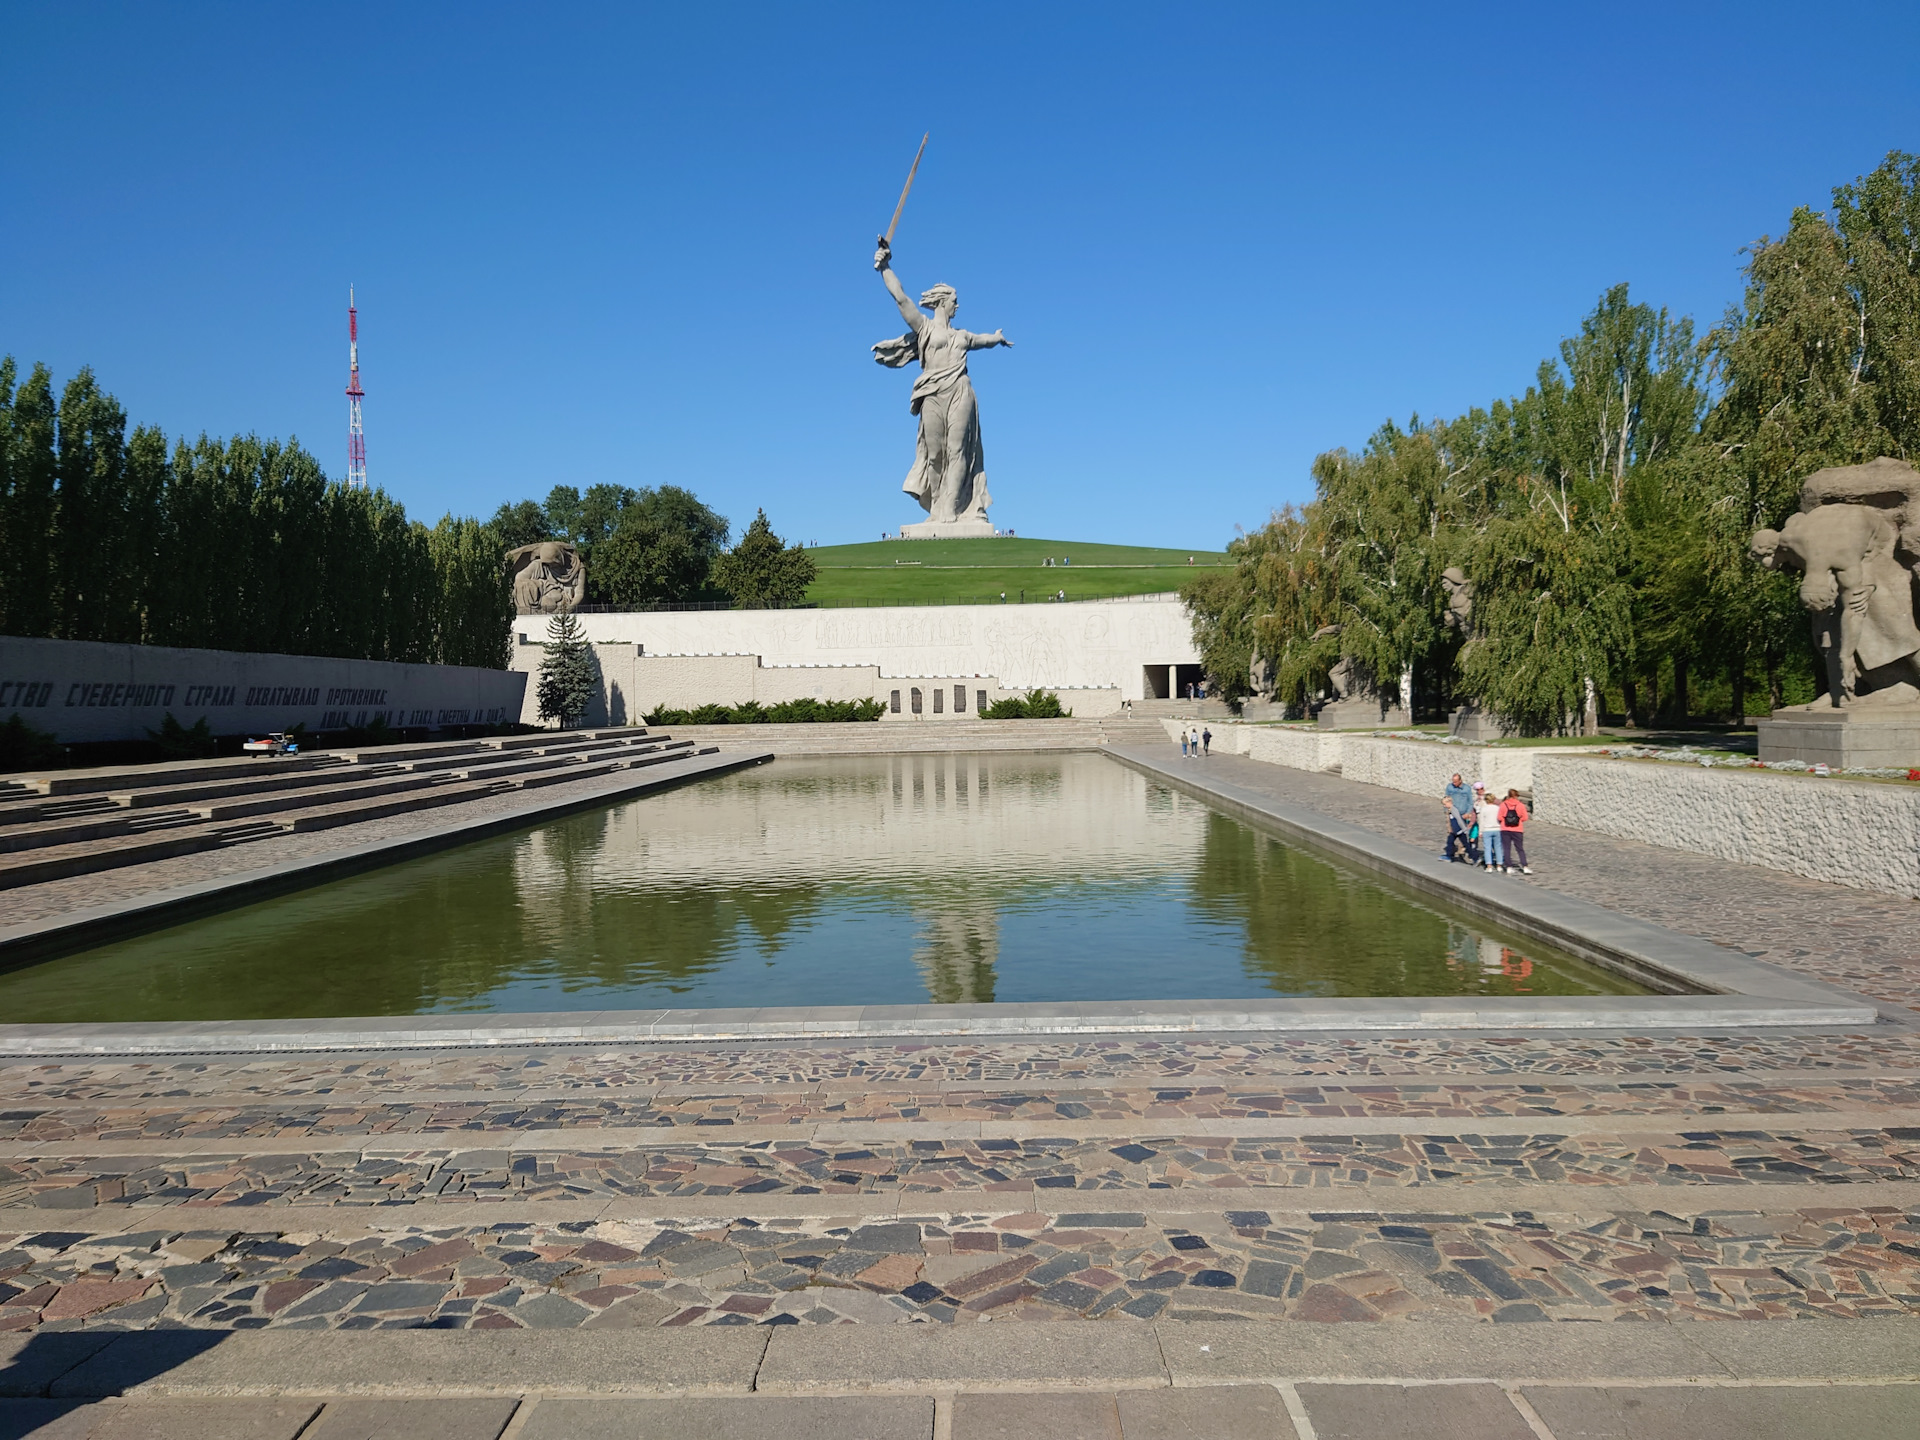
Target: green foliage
[
  {"x": 229, "y": 545},
  {"x": 523, "y": 523},
  {"x": 179, "y": 742},
  {"x": 24, "y": 748},
  {"x": 662, "y": 547},
  {"x": 568, "y": 675},
  {"x": 787, "y": 712},
  {"x": 1602, "y": 517},
  {"x": 762, "y": 572},
  {"x": 1034, "y": 705}
]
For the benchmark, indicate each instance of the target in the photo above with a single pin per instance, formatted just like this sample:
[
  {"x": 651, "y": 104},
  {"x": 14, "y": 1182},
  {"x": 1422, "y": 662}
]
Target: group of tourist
[
  {"x": 1487, "y": 832},
  {"x": 1196, "y": 743}
]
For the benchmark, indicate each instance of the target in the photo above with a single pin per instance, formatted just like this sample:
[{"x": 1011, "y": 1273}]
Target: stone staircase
[{"x": 76, "y": 822}]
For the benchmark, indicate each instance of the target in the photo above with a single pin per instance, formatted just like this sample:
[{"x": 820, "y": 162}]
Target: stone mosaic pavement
[{"x": 1834, "y": 1261}]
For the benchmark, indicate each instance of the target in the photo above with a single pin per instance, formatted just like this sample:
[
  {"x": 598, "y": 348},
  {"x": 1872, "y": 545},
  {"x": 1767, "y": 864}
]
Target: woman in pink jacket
[{"x": 1513, "y": 824}]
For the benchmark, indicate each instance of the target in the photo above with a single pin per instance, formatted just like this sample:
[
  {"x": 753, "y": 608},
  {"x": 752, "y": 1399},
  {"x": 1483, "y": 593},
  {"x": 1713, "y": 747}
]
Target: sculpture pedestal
[
  {"x": 1362, "y": 715},
  {"x": 948, "y": 530},
  {"x": 1873, "y": 736},
  {"x": 1470, "y": 722}
]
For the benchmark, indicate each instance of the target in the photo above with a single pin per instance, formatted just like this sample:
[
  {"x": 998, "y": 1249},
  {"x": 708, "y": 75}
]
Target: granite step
[
  {"x": 493, "y": 762},
  {"x": 181, "y": 772},
  {"x": 426, "y": 797},
  {"x": 58, "y": 862},
  {"x": 216, "y": 790},
  {"x": 114, "y": 822},
  {"x": 276, "y": 803},
  {"x": 27, "y": 808}
]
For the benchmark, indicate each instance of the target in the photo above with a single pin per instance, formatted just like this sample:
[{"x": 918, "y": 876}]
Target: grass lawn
[{"x": 977, "y": 571}]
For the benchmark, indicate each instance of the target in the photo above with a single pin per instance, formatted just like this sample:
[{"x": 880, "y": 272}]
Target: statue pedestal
[
  {"x": 1362, "y": 715},
  {"x": 948, "y": 530},
  {"x": 1875, "y": 736},
  {"x": 1472, "y": 723}
]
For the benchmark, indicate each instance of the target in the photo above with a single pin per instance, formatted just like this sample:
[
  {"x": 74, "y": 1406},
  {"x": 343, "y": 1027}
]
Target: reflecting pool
[{"x": 879, "y": 880}]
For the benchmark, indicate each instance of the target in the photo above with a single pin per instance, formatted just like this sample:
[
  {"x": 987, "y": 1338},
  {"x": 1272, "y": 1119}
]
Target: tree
[
  {"x": 762, "y": 572},
  {"x": 568, "y": 676},
  {"x": 473, "y": 610},
  {"x": 663, "y": 547},
  {"x": 524, "y": 523},
  {"x": 33, "y": 464}
]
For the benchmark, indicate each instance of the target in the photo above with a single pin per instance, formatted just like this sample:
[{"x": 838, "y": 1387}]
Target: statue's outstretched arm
[
  {"x": 883, "y": 262},
  {"x": 987, "y": 342}
]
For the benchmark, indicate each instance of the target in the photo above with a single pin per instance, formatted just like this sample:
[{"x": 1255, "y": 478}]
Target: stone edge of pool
[{"x": 1717, "y": 988}]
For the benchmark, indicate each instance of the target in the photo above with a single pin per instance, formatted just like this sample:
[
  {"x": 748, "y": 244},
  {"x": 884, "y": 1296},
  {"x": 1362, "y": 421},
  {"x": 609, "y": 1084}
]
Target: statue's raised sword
[{"x": 886, "y": 240}]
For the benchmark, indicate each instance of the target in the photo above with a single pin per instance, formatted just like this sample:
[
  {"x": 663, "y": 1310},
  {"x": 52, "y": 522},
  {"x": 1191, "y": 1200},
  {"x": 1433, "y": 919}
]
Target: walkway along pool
[{"x": 883, "y": 880}]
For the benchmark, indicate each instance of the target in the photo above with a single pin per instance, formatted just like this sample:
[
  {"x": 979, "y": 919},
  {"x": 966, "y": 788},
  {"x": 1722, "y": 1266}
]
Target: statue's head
[{"x": 943, "y": 300}]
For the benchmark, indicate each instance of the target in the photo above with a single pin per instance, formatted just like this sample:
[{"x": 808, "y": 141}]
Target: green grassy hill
[{"x": 977, "y": 571}]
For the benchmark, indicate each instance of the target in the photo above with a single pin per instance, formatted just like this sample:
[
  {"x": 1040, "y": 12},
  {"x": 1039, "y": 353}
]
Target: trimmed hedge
[
  {"x": 787, "y": 712},
  {"x": 1034, "y": 705}
]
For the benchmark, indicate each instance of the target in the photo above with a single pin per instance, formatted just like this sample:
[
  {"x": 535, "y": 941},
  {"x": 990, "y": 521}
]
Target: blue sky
[{"x": 632, "y": 243}]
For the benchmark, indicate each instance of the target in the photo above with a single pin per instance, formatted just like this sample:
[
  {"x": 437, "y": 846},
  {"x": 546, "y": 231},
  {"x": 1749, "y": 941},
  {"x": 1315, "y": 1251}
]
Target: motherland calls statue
[
  {"x": 949, "y": 474},
  {"x": 547, "y": 578},
  {"x": 1856, "y": 544}
]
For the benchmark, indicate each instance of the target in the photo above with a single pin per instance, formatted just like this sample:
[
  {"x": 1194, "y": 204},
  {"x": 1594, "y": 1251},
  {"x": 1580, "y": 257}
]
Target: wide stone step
[
  {"x": 492, "y": 763},
  {"x": 182, "y": 772},
  {"x": 216, "y": 790},
  {"x": 29, "y": 809},
  {"x": 280, "y": 803},
  {"x": 117, "y": 822},
  {"x": 425, "y": 798},
  {"x": 33, "y": 867}
]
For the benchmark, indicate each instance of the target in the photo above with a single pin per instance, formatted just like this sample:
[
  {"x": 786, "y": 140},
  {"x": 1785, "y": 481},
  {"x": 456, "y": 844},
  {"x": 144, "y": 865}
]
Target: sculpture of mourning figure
[
  {"x": 1856, "y": 543},
  {"x": 1355, "y": 700},
  {"x": 547, "y": 578}
]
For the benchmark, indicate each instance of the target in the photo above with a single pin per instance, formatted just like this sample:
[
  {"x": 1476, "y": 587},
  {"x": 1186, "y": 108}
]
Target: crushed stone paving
[
  {"x": 1056, "y": 1063},
  {"x": 1835, "y": 1262},
  {"x": 1449, "y": 1100},
  {"x": 488, "y": 1169}
]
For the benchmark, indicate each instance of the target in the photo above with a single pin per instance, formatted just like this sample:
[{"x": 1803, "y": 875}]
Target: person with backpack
[{"x": 1513, "y": 822}]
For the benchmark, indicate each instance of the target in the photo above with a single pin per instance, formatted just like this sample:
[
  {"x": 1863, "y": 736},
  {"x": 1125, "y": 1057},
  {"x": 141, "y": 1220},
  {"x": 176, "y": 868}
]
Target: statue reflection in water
[{"x": 957, "y": 953}]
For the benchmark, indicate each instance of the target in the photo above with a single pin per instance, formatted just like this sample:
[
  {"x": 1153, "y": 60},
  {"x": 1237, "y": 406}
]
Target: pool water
[{"x": 871, "y": 880}]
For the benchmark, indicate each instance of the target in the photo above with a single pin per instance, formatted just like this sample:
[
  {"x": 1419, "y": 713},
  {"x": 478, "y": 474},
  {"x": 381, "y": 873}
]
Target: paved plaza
[{"x": 1669, "y": 1233}]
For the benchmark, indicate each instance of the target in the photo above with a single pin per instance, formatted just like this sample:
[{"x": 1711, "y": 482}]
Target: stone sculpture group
[
  {"x": 547, "y": 578},
  {"x": 1856, "y": 544}
]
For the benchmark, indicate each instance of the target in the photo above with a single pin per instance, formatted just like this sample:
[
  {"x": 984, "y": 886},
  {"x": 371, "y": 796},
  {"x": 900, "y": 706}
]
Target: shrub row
[{"x": 787, "y": 712}]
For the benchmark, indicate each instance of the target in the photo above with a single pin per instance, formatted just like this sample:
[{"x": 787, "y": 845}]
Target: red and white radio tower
[{"x": 356, "y": 437}]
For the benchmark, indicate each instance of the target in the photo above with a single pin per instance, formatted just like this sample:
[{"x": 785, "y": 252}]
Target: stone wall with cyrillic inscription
[{"x": 79, "y": 690}]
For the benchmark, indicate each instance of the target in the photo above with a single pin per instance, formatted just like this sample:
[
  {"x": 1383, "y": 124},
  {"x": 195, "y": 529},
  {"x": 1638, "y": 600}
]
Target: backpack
[{"x": 1510, "y": 815}]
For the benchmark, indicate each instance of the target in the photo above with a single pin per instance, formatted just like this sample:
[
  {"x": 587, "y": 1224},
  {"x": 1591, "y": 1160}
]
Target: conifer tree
[
  {"x": 762, "y": 573},
  {"x": 568, "y": 675}
]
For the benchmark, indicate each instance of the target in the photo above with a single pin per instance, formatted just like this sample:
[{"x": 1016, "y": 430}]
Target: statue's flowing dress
[{"x": 951, "y": 485}]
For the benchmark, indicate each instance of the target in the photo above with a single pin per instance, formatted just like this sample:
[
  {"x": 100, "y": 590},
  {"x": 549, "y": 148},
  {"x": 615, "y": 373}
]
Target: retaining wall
[
  {"x": 1851, "y": 833},
  {"x": 83, "y": 690}
]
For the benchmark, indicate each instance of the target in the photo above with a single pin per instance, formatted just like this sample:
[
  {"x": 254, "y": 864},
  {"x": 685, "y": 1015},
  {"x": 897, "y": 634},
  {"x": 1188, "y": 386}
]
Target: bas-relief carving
[
  {"x": 949, "y": 474},
  {"x": 547, "y": 578},
  {"x": 1856, "y": 544}
]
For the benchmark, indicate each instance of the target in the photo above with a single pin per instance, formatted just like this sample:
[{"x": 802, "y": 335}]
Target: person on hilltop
[
  {"x": 1458, "y": 800},
  {"x": 1513, "y": 822},
  {"x": 1488, "y": 814}
]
